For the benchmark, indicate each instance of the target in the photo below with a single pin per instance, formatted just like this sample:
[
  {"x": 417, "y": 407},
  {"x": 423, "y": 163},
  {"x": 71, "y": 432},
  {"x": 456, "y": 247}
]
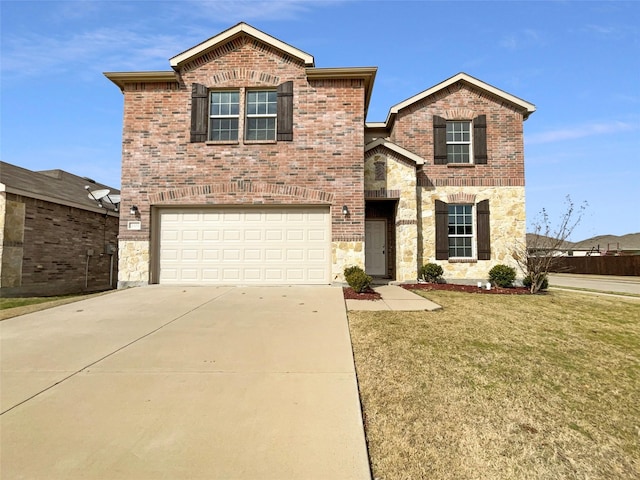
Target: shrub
[
  {"x": 527, "y": 283},
  {"x": 502, "y": 276},
  {"x": 431, "y": 272},
  {"x": 357, "y": 279}
]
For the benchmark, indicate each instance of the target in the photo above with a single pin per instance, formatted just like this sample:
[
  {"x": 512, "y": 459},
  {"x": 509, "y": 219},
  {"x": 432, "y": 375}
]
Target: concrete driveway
[{"x": 183, "y": 383}]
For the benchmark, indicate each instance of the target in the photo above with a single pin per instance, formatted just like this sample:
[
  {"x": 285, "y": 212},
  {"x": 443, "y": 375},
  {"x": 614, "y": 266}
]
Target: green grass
[
  {"x": 6, "y": 303},
  {"x": 518, "y": 387},
  {"x": 11, "y": 307}
]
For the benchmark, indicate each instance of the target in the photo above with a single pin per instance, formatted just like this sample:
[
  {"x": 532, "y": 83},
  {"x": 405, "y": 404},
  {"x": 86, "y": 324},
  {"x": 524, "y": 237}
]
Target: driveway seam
[{"x": 112, "y": 353}]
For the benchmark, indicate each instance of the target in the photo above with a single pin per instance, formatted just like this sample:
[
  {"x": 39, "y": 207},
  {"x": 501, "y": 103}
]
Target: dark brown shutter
[
  {"x": 285, "y": 112},
  {"x": 480, "y": 140},
  {"x": 442, "y": 230},
  {"x": 199, "y": 112},
  {"x": 439, "y": 140},
  {"x": 484, "y": 231}
]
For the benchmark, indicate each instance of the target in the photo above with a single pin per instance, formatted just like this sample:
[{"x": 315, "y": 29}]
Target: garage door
[{"x": 245, "y": 246}]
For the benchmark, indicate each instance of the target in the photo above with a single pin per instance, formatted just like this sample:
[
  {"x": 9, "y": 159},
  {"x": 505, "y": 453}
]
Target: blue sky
[{"x": 578, "y": 62}]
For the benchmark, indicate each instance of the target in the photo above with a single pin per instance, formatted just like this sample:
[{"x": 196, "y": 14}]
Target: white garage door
[{"x": 245, "y": 246}]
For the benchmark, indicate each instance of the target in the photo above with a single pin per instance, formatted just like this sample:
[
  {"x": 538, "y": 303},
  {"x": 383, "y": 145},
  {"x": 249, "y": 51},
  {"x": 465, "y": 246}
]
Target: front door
[{"x": 375, "y": 257}]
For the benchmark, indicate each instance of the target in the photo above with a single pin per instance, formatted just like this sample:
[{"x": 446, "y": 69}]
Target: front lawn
[{"x": 497, "y": 387}]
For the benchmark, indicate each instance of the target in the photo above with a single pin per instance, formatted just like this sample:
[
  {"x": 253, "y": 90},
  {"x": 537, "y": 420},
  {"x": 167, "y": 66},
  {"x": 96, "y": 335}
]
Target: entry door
[{"x": 375, "y": 251}]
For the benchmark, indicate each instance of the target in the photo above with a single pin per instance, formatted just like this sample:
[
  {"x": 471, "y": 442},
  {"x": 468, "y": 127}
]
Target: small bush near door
[
  {"x": 357, "y": 279},
  {"x": 502, "y": 276},
  {"x": 431, "y": 272}
]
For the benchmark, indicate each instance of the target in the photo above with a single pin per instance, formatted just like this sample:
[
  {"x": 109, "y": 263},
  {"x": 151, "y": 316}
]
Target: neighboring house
[
  {"x": 247, "y": 164},
  {"x": 54, "y": 239}
]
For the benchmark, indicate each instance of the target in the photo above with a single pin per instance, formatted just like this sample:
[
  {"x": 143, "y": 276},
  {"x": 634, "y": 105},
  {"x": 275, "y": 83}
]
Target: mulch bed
[
  {"x": 452, "y": 287},
  {"x": 369, "y": 294}
]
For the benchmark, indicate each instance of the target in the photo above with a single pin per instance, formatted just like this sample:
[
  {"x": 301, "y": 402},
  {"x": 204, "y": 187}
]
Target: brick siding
[
  {"x": 54, "y": 249},
  {"x": 413, "y": 130},
  {"x": 323, "y": 165}
]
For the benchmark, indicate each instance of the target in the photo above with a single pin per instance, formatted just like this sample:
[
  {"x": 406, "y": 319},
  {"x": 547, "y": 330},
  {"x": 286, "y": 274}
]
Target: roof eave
[
  {"x": 394, "y": 148},
  {"x": 122, "y": 78},
  {"x": 368, "y": 74}
]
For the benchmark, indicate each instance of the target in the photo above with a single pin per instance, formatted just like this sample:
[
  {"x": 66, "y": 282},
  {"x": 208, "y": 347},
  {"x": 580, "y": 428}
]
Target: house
[
  {"x": 248, "y": 164},
  {"x": 55, "y": 237}
]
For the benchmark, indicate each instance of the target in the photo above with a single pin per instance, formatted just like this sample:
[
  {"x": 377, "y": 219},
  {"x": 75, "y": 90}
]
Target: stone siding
[
  {"x": 133, "y": 269},
  {"x": 507, "y": 226}
]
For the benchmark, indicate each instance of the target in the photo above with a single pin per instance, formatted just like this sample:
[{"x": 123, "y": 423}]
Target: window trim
[
  {"x": 469, "y": 124},
  {"x": 211, "y": 117},
  {"x": 473, "y": 236},
  {"x": 248, "y": 116}
]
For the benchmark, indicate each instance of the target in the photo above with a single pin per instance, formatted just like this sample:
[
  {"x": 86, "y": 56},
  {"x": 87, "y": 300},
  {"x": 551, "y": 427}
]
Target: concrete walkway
[
  {"x": 183, "y": 383},
  {"x": 394, "y": 298},
  {"x": 600, "y": 283}
]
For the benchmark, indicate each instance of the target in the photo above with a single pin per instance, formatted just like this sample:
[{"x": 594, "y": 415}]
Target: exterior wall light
[
  {"x": 134, "y": 210},
  {"x": 345, "y": 210}
]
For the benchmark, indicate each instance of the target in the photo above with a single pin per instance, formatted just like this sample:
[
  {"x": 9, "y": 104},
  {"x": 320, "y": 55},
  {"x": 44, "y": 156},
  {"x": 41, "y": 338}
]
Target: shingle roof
[{"x": 56, "y": 186}]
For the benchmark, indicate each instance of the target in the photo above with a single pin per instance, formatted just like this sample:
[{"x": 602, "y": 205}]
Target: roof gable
[
  {"x": 522, "y": 105},
  {"x": 381, "y": 142},
  {"x": 230, "y": 35},
  {"x": 55, "y": 186}
]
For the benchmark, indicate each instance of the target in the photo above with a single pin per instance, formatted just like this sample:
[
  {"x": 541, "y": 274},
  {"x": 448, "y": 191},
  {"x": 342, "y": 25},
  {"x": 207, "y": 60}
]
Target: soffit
[{"x": 121, "y": 78}]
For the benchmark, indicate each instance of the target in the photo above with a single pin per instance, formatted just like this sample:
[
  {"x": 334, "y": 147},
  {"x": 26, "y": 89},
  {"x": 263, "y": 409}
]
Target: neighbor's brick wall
[
  {"x": 54, "y": 249},
  {"x": 413, "y": 130},
  {"x": 324, "y": 160}
]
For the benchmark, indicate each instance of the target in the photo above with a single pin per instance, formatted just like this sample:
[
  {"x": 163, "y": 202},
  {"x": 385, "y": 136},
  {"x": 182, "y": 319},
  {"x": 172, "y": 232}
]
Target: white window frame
[
  {"x": 219, "y": 116},
  {"x": 265, "y": 115},
  {"x": 472, "y": 236},
  {"x": 454, "y": 142}
]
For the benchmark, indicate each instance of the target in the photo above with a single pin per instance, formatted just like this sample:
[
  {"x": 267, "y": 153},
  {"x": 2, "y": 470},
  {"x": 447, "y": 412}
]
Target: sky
[{"x": 578, "y": 62}]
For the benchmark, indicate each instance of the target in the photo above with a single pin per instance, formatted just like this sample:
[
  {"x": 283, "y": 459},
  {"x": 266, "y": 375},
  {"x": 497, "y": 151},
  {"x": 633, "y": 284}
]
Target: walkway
[{"x": 394, "y": 298}]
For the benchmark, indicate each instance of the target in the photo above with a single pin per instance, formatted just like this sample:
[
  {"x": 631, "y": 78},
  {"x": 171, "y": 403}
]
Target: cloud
[
  {"x": 523, "y": 39},
  {"x": 580, "y": 131},
  {"x": 132, "y": 41},
  {"x": 103, "y": 49}
]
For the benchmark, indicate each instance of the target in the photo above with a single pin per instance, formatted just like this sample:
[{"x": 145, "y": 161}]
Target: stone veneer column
[
  {"x": 133, "y": 264},
  {"x": 12, "y": 217},
  {"x": 345, "y": 254}
]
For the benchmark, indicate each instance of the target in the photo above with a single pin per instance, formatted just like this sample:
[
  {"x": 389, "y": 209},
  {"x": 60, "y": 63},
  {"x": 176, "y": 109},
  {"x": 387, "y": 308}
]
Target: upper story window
[
  {"x": 268, "y": 114},
  {"x": 224, "y": 115},
  {"x": 261, "y": 115},
  {"x": 458, "y": 142}
]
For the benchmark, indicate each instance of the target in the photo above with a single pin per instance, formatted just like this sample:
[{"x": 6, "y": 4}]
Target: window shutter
[
  {"x": 480, "y": 140},
  {"x": 442, "y": 230},
  {"x": 439, "y": 141},
  {"x": 285, "y": 112},
  {"x": 484, "y": 231},
  {"x": 199, "y": 112}
]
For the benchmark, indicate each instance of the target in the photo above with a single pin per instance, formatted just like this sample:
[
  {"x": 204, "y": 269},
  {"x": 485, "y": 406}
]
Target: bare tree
[{"x": 546, "y": 243}]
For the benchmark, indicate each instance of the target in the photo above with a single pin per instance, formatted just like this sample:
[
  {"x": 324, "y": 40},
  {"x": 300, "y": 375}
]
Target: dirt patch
[
  {"x": 452, "y": 287},
  {"x": 369, "y": 294}
]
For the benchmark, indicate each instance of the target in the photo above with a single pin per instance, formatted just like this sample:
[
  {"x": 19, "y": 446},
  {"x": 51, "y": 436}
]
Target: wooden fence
[{"x": 606, "y": 265}]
